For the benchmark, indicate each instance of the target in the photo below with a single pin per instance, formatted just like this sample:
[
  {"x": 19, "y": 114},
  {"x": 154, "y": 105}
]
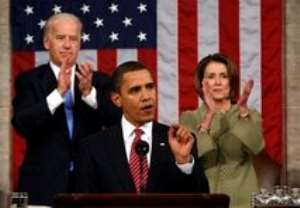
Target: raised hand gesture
[{"x": 181, "y": 142}]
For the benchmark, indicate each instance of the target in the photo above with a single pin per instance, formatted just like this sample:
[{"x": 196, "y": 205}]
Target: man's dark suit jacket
[
  {"x": 45, "y": 169},
  {"x": 104, "y": 168}
]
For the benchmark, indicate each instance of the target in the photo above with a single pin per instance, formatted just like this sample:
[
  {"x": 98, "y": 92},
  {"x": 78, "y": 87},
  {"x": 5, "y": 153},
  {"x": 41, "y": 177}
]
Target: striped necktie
[{"x": 138, "y": 164}]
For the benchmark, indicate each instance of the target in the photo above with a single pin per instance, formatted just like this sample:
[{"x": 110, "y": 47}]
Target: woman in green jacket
[{"x": 228, "y": 133}]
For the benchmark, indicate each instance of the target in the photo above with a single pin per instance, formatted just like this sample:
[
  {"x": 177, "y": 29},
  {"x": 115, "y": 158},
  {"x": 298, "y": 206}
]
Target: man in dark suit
[
  {"x": 56, "y": 105},
  {"x": 105, "y": 163}
]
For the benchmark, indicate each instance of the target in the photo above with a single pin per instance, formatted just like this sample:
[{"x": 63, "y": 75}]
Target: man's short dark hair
[{"x": 129, "y": 66}]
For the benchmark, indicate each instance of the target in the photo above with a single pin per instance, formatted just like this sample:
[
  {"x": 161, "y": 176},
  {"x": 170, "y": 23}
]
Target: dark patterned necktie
[{"x": 138, "y": 164}]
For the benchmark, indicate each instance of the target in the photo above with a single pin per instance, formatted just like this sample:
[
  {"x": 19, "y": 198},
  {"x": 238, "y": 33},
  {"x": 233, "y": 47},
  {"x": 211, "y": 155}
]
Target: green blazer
[{"x": 227, "y": 150}]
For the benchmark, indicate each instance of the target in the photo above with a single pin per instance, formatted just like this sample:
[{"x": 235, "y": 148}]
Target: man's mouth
[
  {"x": 65, "y": 54},
  {"x": 147, "y": 108}
]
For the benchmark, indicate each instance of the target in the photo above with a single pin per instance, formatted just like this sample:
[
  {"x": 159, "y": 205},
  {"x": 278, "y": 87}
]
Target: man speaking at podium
[{"x": 139, "y": 154}]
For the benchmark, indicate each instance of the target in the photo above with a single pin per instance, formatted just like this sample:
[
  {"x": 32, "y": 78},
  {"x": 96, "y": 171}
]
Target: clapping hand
[
  {"x": 208, "y": 99},
  {"x": 64, "y": 77},
  {"x": 211, "y": 107},
  {"x": 243, "y": 99},
  {"x": 84, "y": 76}
]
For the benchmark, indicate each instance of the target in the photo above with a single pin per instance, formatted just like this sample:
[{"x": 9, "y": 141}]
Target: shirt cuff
[
  {"x": 91, "y": 99},
  {"x": 187, "y": 168},
  {"x": 54, "y": 99}
]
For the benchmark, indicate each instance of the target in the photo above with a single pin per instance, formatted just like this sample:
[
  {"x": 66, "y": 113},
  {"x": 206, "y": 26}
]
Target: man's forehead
[
  {"x": 65, "y": 23},
  {"x": 142, "y": 74},
  {"x": 137, "y": 78}
]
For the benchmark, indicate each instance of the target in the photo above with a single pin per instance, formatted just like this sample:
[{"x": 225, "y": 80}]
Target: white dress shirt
[
  {"x": 54, "y": 99},
  {"x": 128, "y": 136}
]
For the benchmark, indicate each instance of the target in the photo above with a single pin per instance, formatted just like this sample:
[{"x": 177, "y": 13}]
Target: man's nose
[
  {"x": 67, "y": 43},
  {"x": 145, "y": 94}
]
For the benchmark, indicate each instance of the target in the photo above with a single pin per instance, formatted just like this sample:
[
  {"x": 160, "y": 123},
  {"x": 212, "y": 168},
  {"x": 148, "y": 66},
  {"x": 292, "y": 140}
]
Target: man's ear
[
  {"x": 46, "y": 43},
  {"x": 116, "y": 99}
]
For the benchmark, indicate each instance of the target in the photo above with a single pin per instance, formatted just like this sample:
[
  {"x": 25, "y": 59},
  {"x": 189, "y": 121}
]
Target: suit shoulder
[
  {"x": 99, "y": 75},
  {"x": 102, "y": 81},
  {"x": 30, "y": 76},
  {"x": 190, "y": 113},
  {"x": 33, "y": 72},
  {"x": 100, "y": 137},
  {"x": 190, "y": 117},
  {"x": 103, "y": 74},
  {"x": 160, "y": 126}
]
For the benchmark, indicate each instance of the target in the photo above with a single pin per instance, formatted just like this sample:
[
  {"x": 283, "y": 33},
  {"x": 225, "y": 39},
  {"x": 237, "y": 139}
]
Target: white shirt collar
[
  {"x": 128, "y": 128},
  {"x": 128, "y": 135}
]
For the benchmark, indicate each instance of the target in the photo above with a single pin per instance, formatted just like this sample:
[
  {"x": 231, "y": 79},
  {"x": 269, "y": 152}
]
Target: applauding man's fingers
[
  {"x": 64, "y": 77},
  {"x": 84, "y": 76}
]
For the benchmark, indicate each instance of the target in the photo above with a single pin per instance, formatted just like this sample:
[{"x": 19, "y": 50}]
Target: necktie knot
[
  {"x": 138, "y": 135},
  {"x": 138, "y": 132}
]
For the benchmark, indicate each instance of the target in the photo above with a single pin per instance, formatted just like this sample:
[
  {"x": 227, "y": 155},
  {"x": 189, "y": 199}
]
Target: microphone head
[{"x": 142, "y": 148}]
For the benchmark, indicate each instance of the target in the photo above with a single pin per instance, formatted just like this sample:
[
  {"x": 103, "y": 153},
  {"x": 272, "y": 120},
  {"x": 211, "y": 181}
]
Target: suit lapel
[
  {"x": 159, "y": 155},
  {"x": 77, "y": 106},
  {"x": 47, "y": 79},
  {"x": 119, "y": 160},
  {"x": 76, "y": 87},
  {"x": 48, "y": 83},
  {"x": 159, "y": 144}
]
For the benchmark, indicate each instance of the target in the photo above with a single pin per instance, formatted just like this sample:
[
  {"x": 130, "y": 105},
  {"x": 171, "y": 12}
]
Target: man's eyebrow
[
  {"x": 135, "y": 88},
  {"x": 150, "y": 84}
]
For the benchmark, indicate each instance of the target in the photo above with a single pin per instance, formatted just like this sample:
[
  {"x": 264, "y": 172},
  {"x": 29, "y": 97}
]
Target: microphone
[{"x": 141, "y": 149}]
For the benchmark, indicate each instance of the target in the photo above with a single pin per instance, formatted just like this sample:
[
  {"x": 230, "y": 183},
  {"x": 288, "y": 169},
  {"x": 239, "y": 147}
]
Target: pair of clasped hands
[
  {"x": 212, "y": 106},
  {"x": 84, "y": 76},
  {"x": 181, "y": 140}
]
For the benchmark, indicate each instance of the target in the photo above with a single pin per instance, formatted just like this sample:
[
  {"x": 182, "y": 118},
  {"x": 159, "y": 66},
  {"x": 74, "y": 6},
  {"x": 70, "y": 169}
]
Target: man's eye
[
  {"x": 134, "y": 90},
  {"x": 75, "y": 39},
  {"x": 150, "y": 86}
]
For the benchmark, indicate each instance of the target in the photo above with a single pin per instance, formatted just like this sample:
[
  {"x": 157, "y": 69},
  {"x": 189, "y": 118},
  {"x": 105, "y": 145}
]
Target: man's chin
[
  {"x": 148, "y": 118},
  {"x": 71, "y": 60}
]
